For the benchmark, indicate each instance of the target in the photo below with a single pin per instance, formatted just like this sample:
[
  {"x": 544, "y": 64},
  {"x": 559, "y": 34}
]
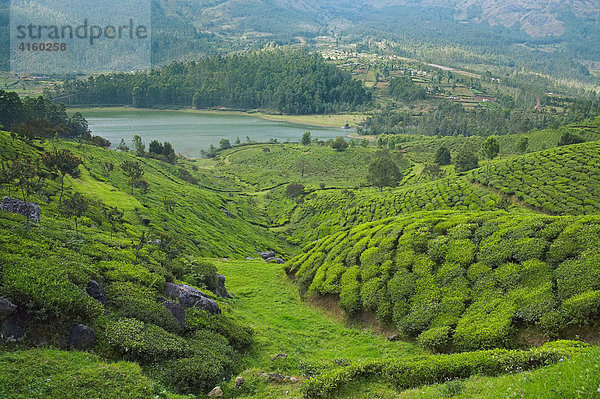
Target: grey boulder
[
  {"x": 221, "y": 290},
  {"x": 29, "y": 209},
  {"x": 82, "y": 337},
  {"x": 6, "y": 309},
  {"x": 95, "y": 290},
  {"x": 267, "y": 254},
  {"x": 191, "y": 297},
  {"x": 177, "y": 311}
]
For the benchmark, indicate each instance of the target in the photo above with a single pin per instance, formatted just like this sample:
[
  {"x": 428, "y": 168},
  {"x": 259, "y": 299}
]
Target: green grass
[
  {"x": 55, "y": 374},
  {"x": 576, "y": 377},
  {"x": 268, "y": 301}
]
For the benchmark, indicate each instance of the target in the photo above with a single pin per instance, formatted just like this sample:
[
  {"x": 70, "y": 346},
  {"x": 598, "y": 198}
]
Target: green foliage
[
  {"x": 583, "y": 309},
  {"x": 135, "y": 301},
  {"x": 559, "y": 181},
  {"x": 569, "y": 138},
  {"x": 213, "y": 361},
  {"x": 481, "y": 275},
  {"x": 442, "y": 156},
  {"x": 466, "y": 159},
  {"x": 55, "y": 374},
  {"x": 306, "y": 139},
  {"x": 436, "y": 338},
  {"x": 238, "y": 335},
  {"x": 294, "y": 190},
  {"x": 45, "y": 284},
  {"x": 350, "y": 299},
  {"x": 405, "y": 89},
  {"x": 420, "y": 371},
  {"x": 144, "y": 342},
  {"x": 485, "y": 324},
  {"x": 383, "y": 172},
  {"x": 284, "y": 80},
  {"x": 340, "y": 144}
]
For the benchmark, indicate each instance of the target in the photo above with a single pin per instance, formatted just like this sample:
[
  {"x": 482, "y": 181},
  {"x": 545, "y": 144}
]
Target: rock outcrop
[
  {"x": 95, "y": 290},
  {"x": 6, "y": 309},
  {"x": 82, "y": 337},
  {"x": 177, "y": 311},
  {"x": 189, "y": 297},
  {"x": 221, "y": 290},
  {"x": 29, "y": 209}
]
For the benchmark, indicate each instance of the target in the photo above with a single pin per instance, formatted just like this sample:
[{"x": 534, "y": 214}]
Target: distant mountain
[{"x": 552, "y": 31}]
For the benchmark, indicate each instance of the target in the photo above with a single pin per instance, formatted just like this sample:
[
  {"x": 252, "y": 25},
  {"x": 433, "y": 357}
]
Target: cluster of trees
[
  {"x": 162, "y": 151},
  {"x": 288, "y": 81},
  {"x": 404, "y": 89},
  {"x": 38, "y": 117},
  {"x": 450, "y": 118}
]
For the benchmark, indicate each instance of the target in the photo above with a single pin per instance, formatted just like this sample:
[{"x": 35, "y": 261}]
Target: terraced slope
[
  {"x": 562, "y": 180},
  {"x": 326, "y": 212},
  {"x": 466, "y": 281}
]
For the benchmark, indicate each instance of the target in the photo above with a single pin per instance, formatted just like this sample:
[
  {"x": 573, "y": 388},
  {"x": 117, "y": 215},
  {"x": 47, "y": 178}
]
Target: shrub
[
  {"x": 240, "y": 337},
  {"x": 577, "y": 276},
  {"x": 350, "y": 299},
  {"x": 461, "y": 252},
  {"x": 419, "y": 371},
  {"x": 213, "y": 361},
  {"x": 435, "y": 338},
  {"x": 583, "y": 309},
  {"x": 144, "y": 342},
  {"x": 54, "y": 374},
  {"x": 370, "y": 294},
  {"x": 485, "y": 324},
  {"x": 134, "y": 301},
  {"x": 44, "y": 284},
  {"x": 202, "y": 274},
  {"x": 123, "y": 271}
]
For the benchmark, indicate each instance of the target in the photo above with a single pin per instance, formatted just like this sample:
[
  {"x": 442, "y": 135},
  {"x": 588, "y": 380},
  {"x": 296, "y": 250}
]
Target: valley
[{"x": 307, "y": 199}]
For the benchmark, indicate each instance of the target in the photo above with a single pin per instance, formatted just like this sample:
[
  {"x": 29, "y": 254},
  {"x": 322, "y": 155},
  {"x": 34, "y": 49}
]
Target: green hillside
[
  {"x": 466, "y": 280},
  {"x": 563, "y": 180},
  {"x": 461, "y": 280}
]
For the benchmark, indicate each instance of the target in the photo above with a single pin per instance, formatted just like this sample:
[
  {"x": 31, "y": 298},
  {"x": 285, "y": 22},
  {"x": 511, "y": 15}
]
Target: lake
[{"x": 191, "y": 132}]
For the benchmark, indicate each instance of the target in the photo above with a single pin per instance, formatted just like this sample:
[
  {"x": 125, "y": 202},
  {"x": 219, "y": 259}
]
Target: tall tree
[
  {"x": 442, "y": 156},
  {"x": 490, "y": 150},
  {"x": 134, "y": 172},
  {"x": 75, "y": 207},
  {"x": 383, "y": 172},
  {"x": 340, "y": 144},
  {"x": 63, "y": 162},
  {"x": 138, "y": 146},
  {"x": 466, "y": 159},
  {"x": 306, "y": 139}
]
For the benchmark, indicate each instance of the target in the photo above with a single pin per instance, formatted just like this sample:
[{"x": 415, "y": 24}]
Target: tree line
[
  {"x": 39, "y": 117},
  {"x": 290, "y": 81}
]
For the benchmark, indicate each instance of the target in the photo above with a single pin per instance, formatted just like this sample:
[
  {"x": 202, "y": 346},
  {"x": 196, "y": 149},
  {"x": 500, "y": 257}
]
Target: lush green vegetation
[
  {"x": 288, "y": 81},
  {"x": 415, "y": 372},
  {"x": 562, "y": 180},
  {"x": 460, "y": 280},
  {"x": 325, "y": 212}
]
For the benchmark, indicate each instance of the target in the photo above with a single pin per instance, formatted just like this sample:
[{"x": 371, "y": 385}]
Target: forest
[{"x": 282, "y": 80}]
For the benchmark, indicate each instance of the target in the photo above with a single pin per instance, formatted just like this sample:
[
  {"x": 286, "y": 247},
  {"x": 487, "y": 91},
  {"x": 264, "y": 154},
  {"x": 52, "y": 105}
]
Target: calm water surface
[{"x": 190, "y": 132}]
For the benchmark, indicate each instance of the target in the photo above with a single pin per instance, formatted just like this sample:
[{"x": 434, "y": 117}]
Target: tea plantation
[
  {"x": 562, "y": 181},
  {"x": 471, "y": 280},
  {"x": 461, "y": 281}
]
